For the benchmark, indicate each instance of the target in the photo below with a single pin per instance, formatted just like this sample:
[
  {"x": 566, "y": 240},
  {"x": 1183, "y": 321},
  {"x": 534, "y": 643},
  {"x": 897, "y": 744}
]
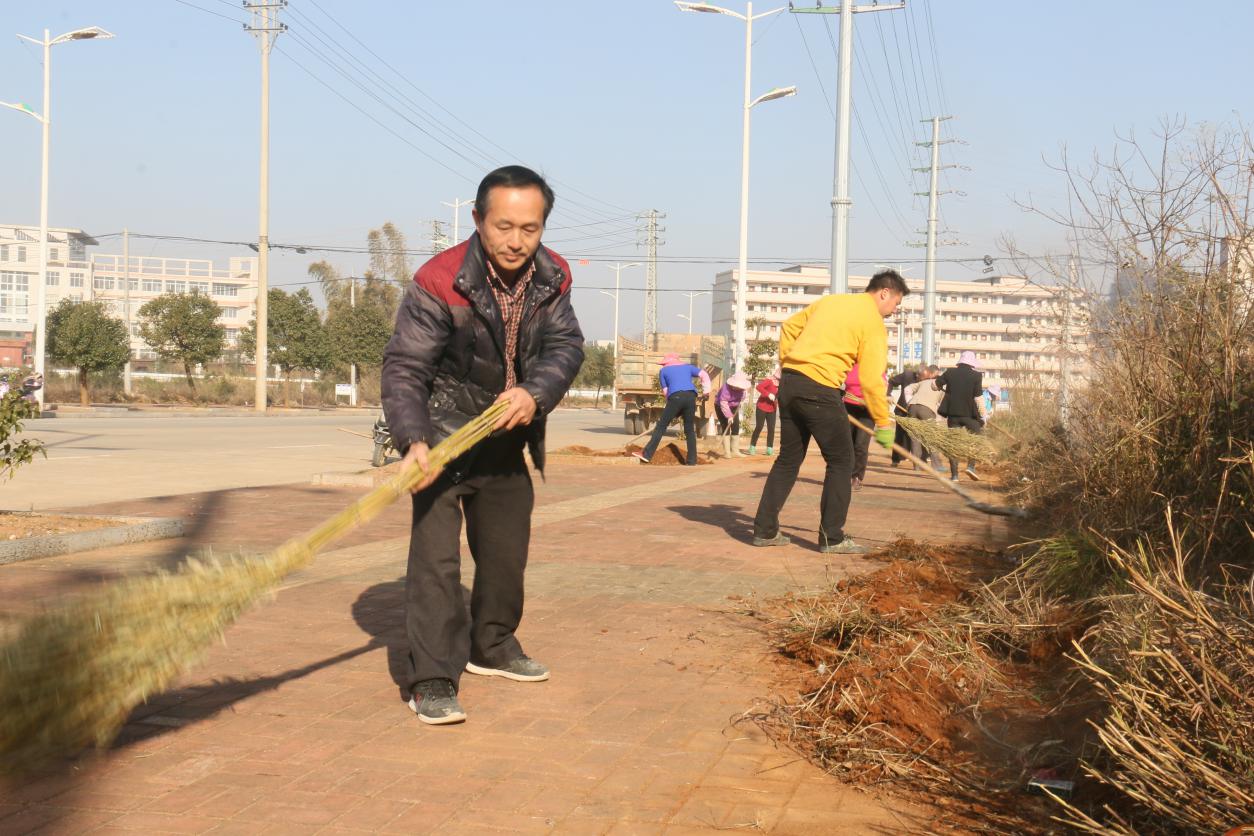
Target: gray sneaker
[
  {"x": 777, "y": 540},
  {"x": 521, "y": 669},
  {"x": 845, "y": 546},
  {"x": 435, "y": 703}
]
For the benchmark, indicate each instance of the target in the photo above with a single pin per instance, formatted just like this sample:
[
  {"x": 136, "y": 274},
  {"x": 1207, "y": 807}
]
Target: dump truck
[{"x": 636, "y": 380}]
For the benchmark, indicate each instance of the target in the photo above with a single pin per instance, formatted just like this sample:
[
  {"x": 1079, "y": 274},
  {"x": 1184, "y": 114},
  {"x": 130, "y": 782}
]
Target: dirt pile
[{"x": 904, "y": 676}]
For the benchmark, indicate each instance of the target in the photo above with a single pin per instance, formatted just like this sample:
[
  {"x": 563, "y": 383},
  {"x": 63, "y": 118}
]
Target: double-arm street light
[
  {"x": 742, "y": 283},
  {"x": 45, "y": 119},
  {"x": 618, "y": 270},
  {"x": 688, "y": 316}
]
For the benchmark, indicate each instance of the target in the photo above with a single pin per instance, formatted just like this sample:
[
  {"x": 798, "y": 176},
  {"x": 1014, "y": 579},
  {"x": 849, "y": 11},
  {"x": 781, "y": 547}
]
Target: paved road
[{"x": 101, "y": 459}]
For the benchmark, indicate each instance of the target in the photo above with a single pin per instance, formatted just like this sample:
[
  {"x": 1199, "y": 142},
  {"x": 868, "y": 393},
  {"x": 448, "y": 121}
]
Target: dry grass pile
[
  {"x": 954, "y": 443},
  {"x": 921, "y": 676},
  {"x": 1174, "y": 668},
  {"x": 70, "y": 676}
]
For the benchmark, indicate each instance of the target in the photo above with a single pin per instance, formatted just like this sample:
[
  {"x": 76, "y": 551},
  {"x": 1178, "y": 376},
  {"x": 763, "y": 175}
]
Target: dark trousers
[
  {"x": 809, "y": 410},
  {"x": 974, "y": 425},
  {"x": 761, "y": 417},
  {"x": 723, "y": 419},
  {"x": 861, "y": 440},
  {"x": 923, "y": 414},
  {"x": 496, "y": 497},
  {"x": 900, "y": 437},
  {"x": 683, "y": 404}
]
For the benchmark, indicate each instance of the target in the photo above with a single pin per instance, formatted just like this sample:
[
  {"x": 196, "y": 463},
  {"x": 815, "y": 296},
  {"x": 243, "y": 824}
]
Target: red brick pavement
[{"x": 294, "y": 723}]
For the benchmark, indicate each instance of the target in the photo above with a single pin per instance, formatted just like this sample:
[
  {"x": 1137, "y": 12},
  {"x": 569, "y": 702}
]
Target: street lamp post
[
  {"x": 742, "y": 283},
  {"x": 618, "y": 269},
  {"x": 692, "y": 296},
  {"x": 45, "y": 119}
]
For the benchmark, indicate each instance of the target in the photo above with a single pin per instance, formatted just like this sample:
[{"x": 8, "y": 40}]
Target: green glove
[{"x": 885, "y": 435}]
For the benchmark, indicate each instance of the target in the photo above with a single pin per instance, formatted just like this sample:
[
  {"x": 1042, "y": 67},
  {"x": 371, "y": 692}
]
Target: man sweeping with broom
[
  {"x": 817, "y": 347},
  {"x": 489, "y": 320}
]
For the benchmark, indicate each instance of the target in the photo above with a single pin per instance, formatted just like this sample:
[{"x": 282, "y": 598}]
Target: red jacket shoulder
[
  {"x": 438, "y": 274},
  {"x": 564, "y": 265}
]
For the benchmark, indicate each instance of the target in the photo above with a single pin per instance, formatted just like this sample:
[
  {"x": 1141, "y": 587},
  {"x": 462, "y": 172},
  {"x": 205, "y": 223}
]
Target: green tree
[
  {"x": 183, "y": 327},
  {"x": 597, "y": 370},
  {"x": 13, "y": 411},
  {"x": 295, "y": 336},
  {"x": 83, "y": 335},
  {"x": 358, "y": 335}
]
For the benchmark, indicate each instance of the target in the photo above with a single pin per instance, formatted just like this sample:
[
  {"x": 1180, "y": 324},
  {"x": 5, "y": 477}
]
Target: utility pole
[
  {"x": 126, "y": 300},
  {"x": 618, "y": 270},
  {"x": 457, "y": 205},
  {"x": 266, "y": 27},
  {"x": 901, "y": 341},
  {"x": 692, "y": 296},
  {"x": 929, "y": 277},
  {"x": 651, "y": 232},
  {"x": 352, "y": 367},
  {"x": 844, "y": 102}
]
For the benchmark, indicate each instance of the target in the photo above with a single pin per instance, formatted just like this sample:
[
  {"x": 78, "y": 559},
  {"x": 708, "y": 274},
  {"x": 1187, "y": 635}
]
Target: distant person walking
[
  {"x": 768, "y": 392},
  {"x": 727, "y": 409},
  {"x": 681, "y": 401},
  {"x": 964, "y": 388},
  {"x": 817, "y": 347}
]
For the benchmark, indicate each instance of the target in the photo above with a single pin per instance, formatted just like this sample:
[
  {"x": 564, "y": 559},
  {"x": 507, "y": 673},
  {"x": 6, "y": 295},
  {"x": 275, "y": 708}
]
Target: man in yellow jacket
[{"x": 817, "y": 347}]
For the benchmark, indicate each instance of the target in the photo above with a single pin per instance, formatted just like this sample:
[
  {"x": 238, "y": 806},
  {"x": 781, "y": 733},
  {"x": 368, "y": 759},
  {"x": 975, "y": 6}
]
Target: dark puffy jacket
[
  {"x": 445, "y": 363},
  {"x": 962, "y": 385}
]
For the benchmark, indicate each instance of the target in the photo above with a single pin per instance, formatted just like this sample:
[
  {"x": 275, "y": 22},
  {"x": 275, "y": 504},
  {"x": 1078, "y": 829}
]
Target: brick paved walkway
[{"x": 295, "y": 724}]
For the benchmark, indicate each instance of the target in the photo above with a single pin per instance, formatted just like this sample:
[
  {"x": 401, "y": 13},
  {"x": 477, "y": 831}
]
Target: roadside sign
[{"x": 343, "y": 390}]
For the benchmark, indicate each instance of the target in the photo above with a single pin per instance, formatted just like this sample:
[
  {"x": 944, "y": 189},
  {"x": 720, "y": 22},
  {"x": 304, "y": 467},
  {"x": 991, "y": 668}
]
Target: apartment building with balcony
[
  {"x": 114, "y": 280},
  {"x": 1013, "y": 325}
]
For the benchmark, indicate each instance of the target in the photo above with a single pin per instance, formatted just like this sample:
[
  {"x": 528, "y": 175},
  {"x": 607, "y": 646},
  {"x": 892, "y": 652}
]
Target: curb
[
  {"x": 127, "y": 530},
  {"x": 208, "y": 412},
  {"x": 344, "y": 479}
]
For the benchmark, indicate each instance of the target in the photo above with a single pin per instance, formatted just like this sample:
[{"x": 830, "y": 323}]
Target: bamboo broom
[
  {"x": 983, "y": 507},
  {"x": 953, "y": 442},
  {"x": 70, "y": 676}
]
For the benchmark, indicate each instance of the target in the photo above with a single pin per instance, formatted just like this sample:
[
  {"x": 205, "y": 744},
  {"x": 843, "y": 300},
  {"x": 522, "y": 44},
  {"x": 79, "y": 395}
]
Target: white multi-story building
[
  {"x": 1012, "y": 325},
  {"x": 74, "y": 273}
]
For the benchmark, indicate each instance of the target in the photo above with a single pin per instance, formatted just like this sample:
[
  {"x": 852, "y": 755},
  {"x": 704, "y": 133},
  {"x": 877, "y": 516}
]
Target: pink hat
[
  {"x": 738, "y": 381},
  {"x": 995, "y": 390},
  {"x": 671, "y": 360},
  {"x": 968, "y": 357}
]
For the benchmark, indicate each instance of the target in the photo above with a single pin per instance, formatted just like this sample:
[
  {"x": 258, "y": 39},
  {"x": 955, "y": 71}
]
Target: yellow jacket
[{"x": 828, "y": 337}]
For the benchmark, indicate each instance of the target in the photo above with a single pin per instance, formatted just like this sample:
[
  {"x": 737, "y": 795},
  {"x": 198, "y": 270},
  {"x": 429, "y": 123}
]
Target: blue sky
[{"x": 627, "y": 106}]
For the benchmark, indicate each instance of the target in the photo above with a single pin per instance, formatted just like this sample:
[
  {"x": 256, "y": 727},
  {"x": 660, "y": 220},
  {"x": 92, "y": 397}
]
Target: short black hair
[
  {"x": 890, "y": 279},
  {"x": 512, "y": 177}
]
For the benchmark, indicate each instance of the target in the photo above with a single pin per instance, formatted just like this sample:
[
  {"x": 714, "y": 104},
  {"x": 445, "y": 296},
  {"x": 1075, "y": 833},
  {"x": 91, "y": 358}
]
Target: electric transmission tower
[
  {"x": 651, "y": 234},
  {"x": 439, "y": 239},
  {"x": 933, "y": 213}
]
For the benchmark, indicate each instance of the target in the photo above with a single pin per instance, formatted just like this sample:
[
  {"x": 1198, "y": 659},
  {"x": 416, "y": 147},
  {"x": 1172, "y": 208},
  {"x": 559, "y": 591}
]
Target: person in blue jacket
[{"x": 681, "y": 400}]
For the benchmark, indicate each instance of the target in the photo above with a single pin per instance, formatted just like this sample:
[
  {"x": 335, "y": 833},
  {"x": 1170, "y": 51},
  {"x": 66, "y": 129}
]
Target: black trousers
[
  {"x": 683, "y": 404},
  {"x": 808, "y": 409},
  {"x": 723, "y": 419},
  {"x": 974, "y": 425},
  {"x": 861, "y": 440},
  {"x": 900, "y": 437},
  {"x": 496, "y": 498},
  {"x": 761, "y": 417}
]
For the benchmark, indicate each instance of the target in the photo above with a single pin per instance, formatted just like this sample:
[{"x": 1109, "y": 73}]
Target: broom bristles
[
  {"x": 955, "y": 443},
  {"x": 70, "y": 676}
]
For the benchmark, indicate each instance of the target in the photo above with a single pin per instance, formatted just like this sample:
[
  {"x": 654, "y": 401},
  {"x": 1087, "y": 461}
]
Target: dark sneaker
[
  {"x": 845, "y": 546},
  {"x": 435, "y": 703},
  {"x": 777, "y": 540},
  {"x": 521, "y": 669}
]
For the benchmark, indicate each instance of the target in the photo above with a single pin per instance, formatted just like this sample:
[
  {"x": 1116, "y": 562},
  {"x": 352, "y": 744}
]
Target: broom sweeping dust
[{"x": 70, "y": 676}]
